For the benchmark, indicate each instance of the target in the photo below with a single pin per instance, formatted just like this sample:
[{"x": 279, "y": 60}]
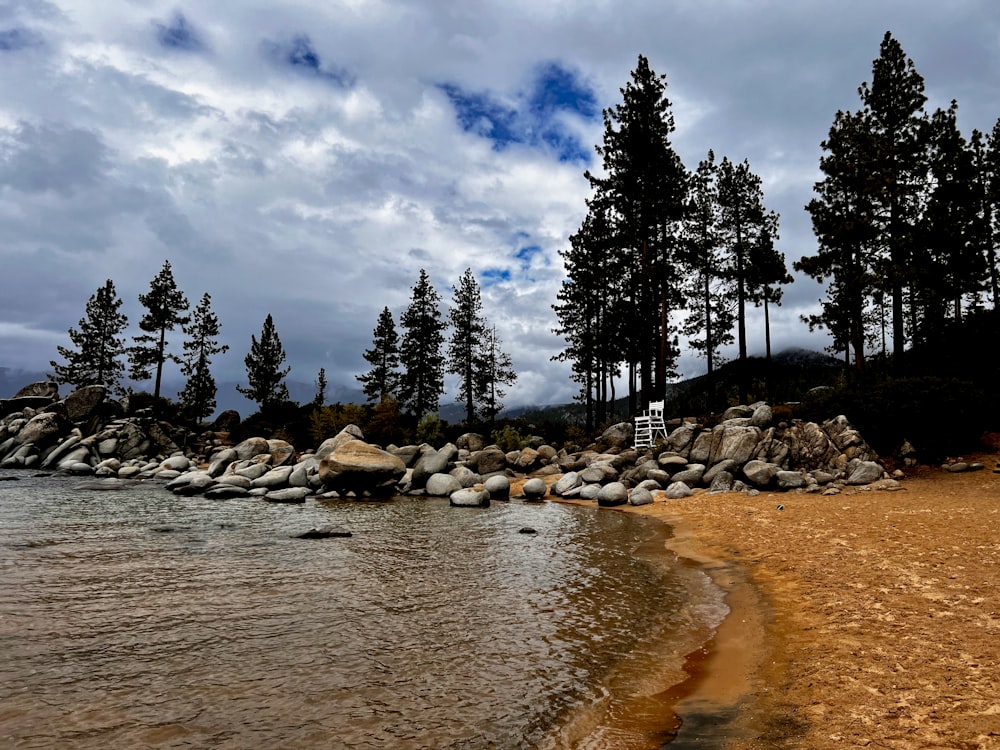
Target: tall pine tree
[
  {"x": 896, "y": 121},
  {"x": 95, "y": 360},
  {"x": 468, "y": 328},
  {"x": 710, "y": 320},
  {"x": 202, "y": 330},
  {"x": 494, "y": 371},
  {"x": 422, "y": 379},
  {"x": 382, "y": 380},
  {"x": 264, "y": 372},
  {"x": 645, "y": 185},
  {"x": 164, "y": 305}
]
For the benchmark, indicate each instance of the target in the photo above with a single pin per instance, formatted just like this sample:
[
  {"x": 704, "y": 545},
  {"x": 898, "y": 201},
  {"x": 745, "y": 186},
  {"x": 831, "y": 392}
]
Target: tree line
[
  {"x": 662, "y": 251},
  {"x": 907, "y": 218},
  {"x": 407, "y": 370}
]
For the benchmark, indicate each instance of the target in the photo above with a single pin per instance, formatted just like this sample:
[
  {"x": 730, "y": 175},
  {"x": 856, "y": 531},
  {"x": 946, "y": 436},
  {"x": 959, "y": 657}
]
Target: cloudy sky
[{"x": 307, "y": 159}]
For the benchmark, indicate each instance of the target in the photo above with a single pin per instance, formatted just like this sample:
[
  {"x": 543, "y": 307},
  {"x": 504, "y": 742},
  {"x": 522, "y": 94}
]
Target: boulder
[
  {"x": 690, "y": 476},
  {"x": 465, "y": 476},
  {"x": 288, "y": 495},
  {"x": 442, "y": 485},
  {"x": 275, "y": 478},
  {"x": 567, "y": 482},
  {"x": 324, "y": 532},
  {"x": 42, "y": 389},
  {"x": 678, "y": 490},
  {"x": 790, "y": 480},
  {"x": 471, "y": 441},
  {"x": 611, "y": 494},
  {"x": 488, "y": 461},
  {"x": 760, "y": 473},
  {"x": 534, "y": 489},
  {"x": 470, "y": 498},
  {"x": 356, "y": 466},
  {"x": 498, "y": 486},
  {"x": 864, "y": 472},
  {"x": 43, "y": 428},
  {"x": 281, "y": 451},
  {"x": 617, "y": 435},
  {"x": 251, "y": 447},
  {"x": 640, "y": 496},
  {"x": 84, "y": 402}
]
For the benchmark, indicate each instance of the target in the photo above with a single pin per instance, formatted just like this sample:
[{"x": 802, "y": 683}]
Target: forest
[{"x": 906, "y": 222}]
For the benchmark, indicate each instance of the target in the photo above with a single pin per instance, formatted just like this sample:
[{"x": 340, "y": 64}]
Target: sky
[{"x": 306, "y": 158}]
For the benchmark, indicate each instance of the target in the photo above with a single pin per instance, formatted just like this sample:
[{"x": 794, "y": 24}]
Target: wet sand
[{"x": 865, "y": 619}]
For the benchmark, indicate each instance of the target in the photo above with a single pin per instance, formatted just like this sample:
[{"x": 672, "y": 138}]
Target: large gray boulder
[
  {"x": 534, "y": 489},
  {"x": 864, "y": 472},
  {"x": 442, "y": 485},
  {"x": 84, "y": 402},
  {"x": 567, "y": 482},
  {"x": 470, "y": 498},
  {"x": 44, "y": 428},
  {"x": 490, "y": 460},
  {"x": 612, "y": 494},
  {"x": 356, "y": 466},
  {"x": 253, "y": 446},
  {"x": 42, "y": 389},
  {"x": 498, "y": 486}
]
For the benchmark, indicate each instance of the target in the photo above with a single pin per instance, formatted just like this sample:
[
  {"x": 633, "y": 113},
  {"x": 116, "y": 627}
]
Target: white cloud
[{"x": 315, "y": 188}]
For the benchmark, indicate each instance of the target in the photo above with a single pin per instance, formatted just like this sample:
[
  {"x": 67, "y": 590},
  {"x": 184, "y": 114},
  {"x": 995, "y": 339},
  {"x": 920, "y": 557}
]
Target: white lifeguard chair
[{"x": 649, "y": 426}]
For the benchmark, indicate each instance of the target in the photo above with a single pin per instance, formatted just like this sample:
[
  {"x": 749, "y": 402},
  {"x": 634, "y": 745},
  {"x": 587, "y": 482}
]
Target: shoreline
[{"x": 870, "y": 618}]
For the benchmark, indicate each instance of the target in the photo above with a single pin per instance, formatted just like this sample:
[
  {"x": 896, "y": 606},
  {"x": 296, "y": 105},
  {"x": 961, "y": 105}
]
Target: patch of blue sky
[
  {"x": 179, "y": 34},
  {"x": 536, "y": 118},
  {"x": 17, "y": 38},
  {"x": 301, "y": 55},
  {"x": 492, "y": 276},
  {"x": 526, "y": 255}
]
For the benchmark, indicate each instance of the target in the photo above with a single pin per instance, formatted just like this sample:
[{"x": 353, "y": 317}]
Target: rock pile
[{"x": 87, "y": 434}]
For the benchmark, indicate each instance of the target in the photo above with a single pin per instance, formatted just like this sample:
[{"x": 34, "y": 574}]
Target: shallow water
[{"x": 136, "y": 618}]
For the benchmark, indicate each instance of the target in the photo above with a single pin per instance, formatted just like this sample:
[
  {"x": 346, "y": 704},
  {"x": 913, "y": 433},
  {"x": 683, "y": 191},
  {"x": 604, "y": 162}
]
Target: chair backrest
[{"x": 656, "y": 408}]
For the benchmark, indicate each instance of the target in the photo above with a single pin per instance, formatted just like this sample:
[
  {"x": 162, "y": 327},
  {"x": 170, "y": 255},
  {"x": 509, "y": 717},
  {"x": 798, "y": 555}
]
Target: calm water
[{"x": 137, "y": 618}]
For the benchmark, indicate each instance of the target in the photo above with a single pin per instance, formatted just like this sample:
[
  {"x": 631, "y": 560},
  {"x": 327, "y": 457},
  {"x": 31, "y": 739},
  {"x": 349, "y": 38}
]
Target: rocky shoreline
[{"x": 88, "y": 434}]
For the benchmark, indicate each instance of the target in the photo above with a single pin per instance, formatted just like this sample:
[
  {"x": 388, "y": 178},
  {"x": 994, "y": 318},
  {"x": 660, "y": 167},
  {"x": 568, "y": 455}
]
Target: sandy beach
[{"x": 865, "y": 619}]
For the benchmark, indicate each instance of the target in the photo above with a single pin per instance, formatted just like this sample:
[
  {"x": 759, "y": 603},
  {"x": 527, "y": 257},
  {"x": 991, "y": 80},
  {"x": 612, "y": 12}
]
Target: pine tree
[
  {"x": 494, "y": 371},
  {"x": 468, "y": 331},
  {"x": 843, "y": 218},
  {"x": 264, "y": 373},
  {"x": 709, "y": 325},
  {"x": 98, "y": 344},
  {"x": 320, "y": 398},
  {"x": 767, "y": 273},
  {"x": 382, "y": 380},
  {"x": 422, "y": 379},
  {"x": 198, "y": 397},
  {"x": 950, "y": 265},
  {"x": 895, "y": 119},
  {"x": 593, "y": 309},
  {"x": 645, "y": 184},
  {"x": 164, "y": 304}
]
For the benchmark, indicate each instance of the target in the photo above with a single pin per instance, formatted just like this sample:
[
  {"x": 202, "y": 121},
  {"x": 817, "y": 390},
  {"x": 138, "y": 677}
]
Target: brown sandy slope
[{"x": 865, "y": 619}]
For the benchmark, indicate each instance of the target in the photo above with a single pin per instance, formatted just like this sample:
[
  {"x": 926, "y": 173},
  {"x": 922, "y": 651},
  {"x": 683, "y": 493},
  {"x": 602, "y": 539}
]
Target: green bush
[{"x": 508, "y": 438}]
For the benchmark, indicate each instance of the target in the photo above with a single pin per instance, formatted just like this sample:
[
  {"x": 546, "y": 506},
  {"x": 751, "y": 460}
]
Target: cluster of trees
[
  {"x": 662, "y": 251},
  {"x": 410, "y": 369},
  {"x": 407, "y": 370},
  {"x": 98, "y": 345},
  {"x": 907, "y": 216}
]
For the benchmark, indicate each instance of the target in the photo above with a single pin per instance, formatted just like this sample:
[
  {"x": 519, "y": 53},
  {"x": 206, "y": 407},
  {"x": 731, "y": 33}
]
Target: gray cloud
[{"x": 307, "y": 159}]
